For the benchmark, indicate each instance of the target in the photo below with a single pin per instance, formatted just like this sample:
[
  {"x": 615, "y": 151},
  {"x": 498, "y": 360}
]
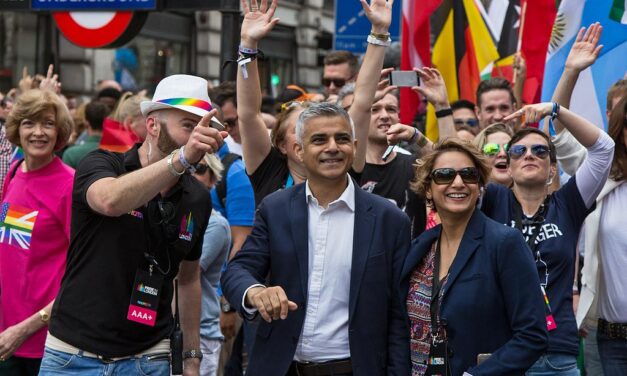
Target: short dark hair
[
  {"x": 95, "y": 113},
  {"x": 463, "y": 103},
  {"x": 225, "y": 92},
  {"x": 522, "y": 133},
  {"x": 494, "y": 83},
  {"x": 109, "y": 92},
  {"x": 341, "y": 57}
]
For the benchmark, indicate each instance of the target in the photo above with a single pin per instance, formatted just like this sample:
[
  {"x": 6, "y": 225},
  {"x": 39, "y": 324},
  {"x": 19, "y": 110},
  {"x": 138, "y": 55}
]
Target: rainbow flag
[{"x": 16, "y": 225}]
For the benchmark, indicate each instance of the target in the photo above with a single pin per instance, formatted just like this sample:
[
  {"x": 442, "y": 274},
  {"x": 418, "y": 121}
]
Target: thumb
[
  {"x": 224, "y": 134},
  {"x": 292, "y": 306}
]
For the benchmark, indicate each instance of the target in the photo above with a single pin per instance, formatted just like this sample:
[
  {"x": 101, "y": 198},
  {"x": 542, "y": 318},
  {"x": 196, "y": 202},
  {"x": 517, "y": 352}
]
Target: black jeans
[{"x": 18, "y": 366}]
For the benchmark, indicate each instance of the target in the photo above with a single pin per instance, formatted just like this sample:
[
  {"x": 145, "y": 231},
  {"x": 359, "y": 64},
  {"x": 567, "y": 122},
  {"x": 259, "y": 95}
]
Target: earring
[
  {"x": 149, "y": 152},
  {"x": 550, "y": 181}
]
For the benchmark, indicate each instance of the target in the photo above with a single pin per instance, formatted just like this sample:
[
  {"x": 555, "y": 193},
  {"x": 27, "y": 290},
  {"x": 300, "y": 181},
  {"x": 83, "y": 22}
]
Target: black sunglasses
[
  {"x": 538, "y": 150},
  {"x": 201, "y": 168},
  {"x": 441, "y": 176},
  {"x": 338, "y": 82}
]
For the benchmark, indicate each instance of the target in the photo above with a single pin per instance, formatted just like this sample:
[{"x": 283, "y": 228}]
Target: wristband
[
  {"x": 413, "y": 138},
  {"x": 378, "y": 42},
  {"x": 554, "y": 113},
  {"x": 186, "y": 165},
  {"x": 444, "y": 113},
  {"x": 171, "y": 165},
  {"x": 248, "y": 51}
]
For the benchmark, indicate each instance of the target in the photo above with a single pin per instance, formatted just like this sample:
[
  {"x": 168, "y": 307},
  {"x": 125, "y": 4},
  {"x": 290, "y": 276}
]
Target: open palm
[
  {"x": 258, "y": 21},
  {"x": 585, "y": 50},
  {"x": 379, "y": 13}
]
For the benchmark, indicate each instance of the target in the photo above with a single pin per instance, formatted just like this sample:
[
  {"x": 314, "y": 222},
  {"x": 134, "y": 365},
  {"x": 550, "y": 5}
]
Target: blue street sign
[
  {"x": 73, "y": 5},
  {"x": 352, "y": 26}
]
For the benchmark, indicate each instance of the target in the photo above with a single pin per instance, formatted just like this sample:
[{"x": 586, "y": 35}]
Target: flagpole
[{"x": 520, "y": 35}]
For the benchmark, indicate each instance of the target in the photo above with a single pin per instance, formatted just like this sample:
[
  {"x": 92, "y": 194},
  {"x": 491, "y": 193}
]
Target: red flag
[
  {"x": 539, "y": 19},
  {"x": 415, "y": 49},
  {"x": 116, "y": 137}
]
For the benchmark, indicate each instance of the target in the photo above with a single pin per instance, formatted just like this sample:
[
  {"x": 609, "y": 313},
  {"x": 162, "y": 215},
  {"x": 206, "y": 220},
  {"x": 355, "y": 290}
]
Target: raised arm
[
  {"x": 520, "y": 75},
  {"x": 256, "y": 142},
  {"x": 583, "y": 54},
  {"x": 379, "y": 12}
]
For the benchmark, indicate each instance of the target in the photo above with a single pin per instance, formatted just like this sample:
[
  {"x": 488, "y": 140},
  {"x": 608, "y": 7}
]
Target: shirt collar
[{"x": 347, "y": 197}]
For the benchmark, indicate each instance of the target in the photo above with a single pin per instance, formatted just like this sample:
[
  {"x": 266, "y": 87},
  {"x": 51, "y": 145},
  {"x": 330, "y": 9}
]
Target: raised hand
[
  {"x": 51, "y": 81},
  {"x": 520, "y": 66},
  {"x": 258, "y": 21},
  {"x": 586, "y": 49},
  {"x": 432, "y": 87},
  {"x": 26, "y": 83},
  {"x": 204, "y": 139},
  {"x": 384, "y": 87},
  {"x": 400, "y": 132},
  {"x": 379, "y": 13},
  {"x": 531, "y": 113}
]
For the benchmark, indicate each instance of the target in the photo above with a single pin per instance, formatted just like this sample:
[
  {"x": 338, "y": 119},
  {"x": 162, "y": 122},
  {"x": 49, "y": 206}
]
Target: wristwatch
[
  {"x": 226, "y": 307},
  {"x": 192, "y": 354}
]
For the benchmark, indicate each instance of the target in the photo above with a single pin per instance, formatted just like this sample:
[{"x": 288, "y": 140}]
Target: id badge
[
  {"x": 437, "y": 365},
  {"x": 145, "y": 298}
]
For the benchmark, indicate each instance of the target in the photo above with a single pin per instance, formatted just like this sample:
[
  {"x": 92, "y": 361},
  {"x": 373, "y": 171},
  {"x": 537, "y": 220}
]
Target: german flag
[{"x": 463, "y": 48}]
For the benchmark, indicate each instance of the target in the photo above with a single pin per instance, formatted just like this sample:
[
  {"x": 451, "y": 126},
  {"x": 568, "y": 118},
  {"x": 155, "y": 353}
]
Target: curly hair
[
  {"x": 424, "y": 166},
  {"x": 31, "y": 105}
]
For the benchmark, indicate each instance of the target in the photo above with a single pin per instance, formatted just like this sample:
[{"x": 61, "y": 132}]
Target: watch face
[{"x": 226, "y": 307}]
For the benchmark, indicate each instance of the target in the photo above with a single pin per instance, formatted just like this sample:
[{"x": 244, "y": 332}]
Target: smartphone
[
  {"x": 214, "y": 123},
  {"x": 404, "y": 78}
]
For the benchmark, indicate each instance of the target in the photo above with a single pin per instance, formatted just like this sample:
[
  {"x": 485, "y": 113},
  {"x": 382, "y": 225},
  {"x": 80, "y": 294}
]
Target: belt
[
  {"x": 160, "y": 350},
  {"x": 334, "y": 367},
  {"x": 613, "y": 330}
]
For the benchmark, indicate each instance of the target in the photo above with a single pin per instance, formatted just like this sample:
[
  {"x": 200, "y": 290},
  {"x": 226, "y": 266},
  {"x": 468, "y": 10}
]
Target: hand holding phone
[{"x": 404, "y": 79}]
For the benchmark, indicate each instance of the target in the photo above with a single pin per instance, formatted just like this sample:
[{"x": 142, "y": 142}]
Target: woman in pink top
[{"x": 34, "y": 228}]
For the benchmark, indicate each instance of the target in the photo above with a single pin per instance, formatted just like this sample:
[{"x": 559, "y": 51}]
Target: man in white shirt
[{"x": 333, "y": 254}]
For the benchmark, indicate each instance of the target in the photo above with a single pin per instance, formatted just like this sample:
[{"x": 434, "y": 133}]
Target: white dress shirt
[
  {"x": 330, "y": 241},
  {"x": 325, "y": 331}
]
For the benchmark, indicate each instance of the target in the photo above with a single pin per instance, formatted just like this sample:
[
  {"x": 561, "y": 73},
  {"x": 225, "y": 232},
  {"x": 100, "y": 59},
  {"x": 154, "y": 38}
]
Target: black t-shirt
[
  {"x": 90, "y": 311},
  {"x": 271, "y": 175},
  {"x": 554, "y": 233},
  {"x": 391, "y": 180}
]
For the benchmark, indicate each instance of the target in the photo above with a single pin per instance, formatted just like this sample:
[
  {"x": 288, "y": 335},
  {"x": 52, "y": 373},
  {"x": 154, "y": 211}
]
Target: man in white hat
[{"x": 138, "y": 221}]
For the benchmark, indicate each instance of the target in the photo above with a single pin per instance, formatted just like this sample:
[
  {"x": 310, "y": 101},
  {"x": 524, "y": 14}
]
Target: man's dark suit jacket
[
  {"x": 492, "y": 301},
  {"x": 278, "y": 247}
]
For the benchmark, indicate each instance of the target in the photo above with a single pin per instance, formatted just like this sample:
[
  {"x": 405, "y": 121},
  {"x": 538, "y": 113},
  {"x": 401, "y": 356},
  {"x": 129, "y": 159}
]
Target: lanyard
[
  {"x": 149, "y": 255},
  {"x": 537, "y": 219},
  {"x": 437, "y": 292}
]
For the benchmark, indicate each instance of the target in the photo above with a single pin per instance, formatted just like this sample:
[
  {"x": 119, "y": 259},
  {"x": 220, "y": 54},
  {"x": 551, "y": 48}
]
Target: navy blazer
[
  {"x": 278, "y": 247},
  {"x": 492, "y": 301}
]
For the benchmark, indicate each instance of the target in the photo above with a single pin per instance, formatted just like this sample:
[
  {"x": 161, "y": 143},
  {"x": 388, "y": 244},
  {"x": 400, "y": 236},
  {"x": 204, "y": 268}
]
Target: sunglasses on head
[
  {"x": 519, "y": 151},
  {"x": 469, "y": 175},
  {"x": 468, "y": 122},
  {"x": 291, "y": 104},
  {"x": 338, "y": 82},
  {"x": 492, "y": 149}
]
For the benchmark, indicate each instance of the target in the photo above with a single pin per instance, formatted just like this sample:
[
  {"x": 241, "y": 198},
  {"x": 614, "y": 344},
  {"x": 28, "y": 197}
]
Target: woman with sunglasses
[
  {"x": 551, "y": 222},
  {"x": 492, "y": 141},
  {"x": 469, "y": 284},
  {"x": 271, "y": 162}
]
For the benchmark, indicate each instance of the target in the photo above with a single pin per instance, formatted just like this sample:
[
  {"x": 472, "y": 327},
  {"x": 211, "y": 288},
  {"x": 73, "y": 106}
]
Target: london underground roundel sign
[{"x": 99, "y": 29}]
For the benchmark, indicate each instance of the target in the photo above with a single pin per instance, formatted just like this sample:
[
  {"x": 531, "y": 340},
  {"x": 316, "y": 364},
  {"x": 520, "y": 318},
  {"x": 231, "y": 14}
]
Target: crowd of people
[{"x": 313, "y": 233}]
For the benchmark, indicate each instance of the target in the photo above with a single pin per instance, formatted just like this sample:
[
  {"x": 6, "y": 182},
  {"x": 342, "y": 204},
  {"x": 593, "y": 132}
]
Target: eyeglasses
[
  {"x": 441, "y": 176},
  {"x": 538, "y": 150},
  {"x": 338, "y": 82},
  {"x": 468, "y": 122},
  {"x": 492, "y": 149},
  {"x": 201, "y": 168}
]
